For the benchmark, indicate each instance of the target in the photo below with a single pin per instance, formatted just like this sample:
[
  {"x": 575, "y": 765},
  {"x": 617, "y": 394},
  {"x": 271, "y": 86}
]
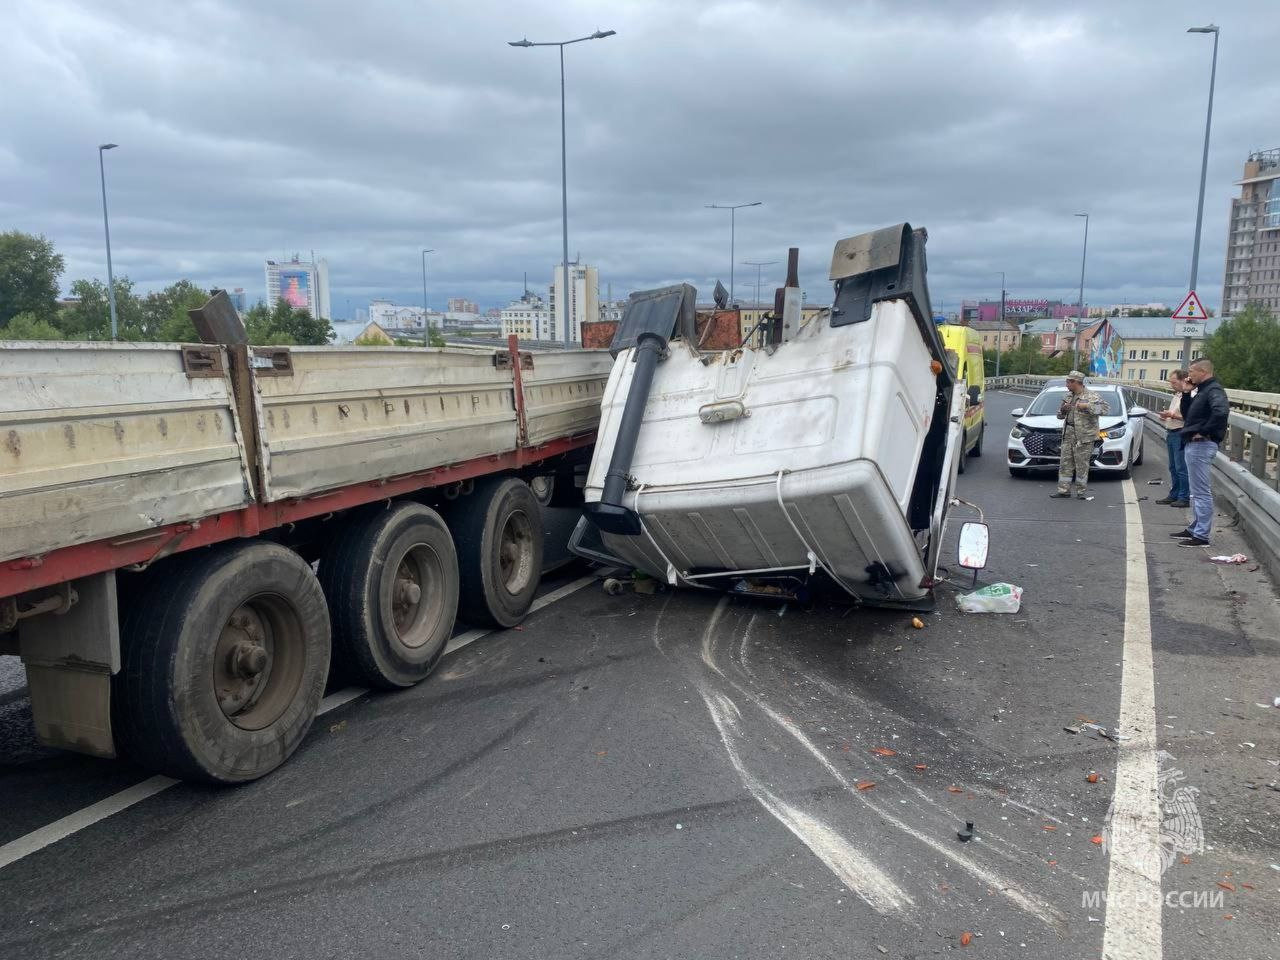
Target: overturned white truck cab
[{"x": 828, "y": 450}]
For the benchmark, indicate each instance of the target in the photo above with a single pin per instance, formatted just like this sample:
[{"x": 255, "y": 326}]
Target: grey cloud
[{"x": 366, "y": 132}]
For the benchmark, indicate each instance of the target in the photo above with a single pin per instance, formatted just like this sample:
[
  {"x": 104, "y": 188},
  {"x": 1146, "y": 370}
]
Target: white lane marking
[
  {"x": 851, "y": 865},
  {"x": 1133, "y": 921},
  {"x": 471, "y": 636},
  {"x": 15, "y": 850},
  {"x": 51, "y": 833},
  {"x": 1026, "y": 901}
]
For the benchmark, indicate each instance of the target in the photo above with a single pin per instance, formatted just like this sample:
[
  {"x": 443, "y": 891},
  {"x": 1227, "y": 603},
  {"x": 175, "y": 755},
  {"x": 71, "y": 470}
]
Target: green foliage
[
  {"x": 286, "y": 325},
  {"x": 1027, "y": 359},
  {"x": 164, "y": 313},
  {"x": 27, "y": 326},
  {"x": 29, "y": 272},
  {"x": 90, "y": 317},
  {"x": 1245, "y": 350}
]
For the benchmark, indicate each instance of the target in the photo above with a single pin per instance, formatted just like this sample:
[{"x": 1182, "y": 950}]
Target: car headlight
[
  {"x": 1016, "y": 433},
  {"x": 1115, "y": 433}
]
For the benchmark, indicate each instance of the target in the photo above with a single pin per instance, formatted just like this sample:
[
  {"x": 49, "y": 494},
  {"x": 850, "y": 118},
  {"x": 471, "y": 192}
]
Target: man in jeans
[
  {"x": 1179, "y": 491},
  {"x": 1203, "y": 428}
]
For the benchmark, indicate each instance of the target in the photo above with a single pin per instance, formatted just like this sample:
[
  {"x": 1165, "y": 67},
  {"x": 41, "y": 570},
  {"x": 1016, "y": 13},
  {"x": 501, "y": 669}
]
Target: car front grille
[{"x": 1042, "y": 443}]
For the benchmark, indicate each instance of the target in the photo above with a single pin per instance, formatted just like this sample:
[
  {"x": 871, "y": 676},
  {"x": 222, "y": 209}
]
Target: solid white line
[
  {"x": 1133, "y": 918},
  {"x": 51, "y": 833},
  {"x": 72, "y": 823}
]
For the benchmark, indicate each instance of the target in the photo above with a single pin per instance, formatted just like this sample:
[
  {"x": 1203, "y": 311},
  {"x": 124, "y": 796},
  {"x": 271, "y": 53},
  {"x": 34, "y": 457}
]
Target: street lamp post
[
  {"x": 1204, "y": 167},
  {"x": 106, "y": 228},
  {"x": 758, "y": 264},
  {"x": 426, "y": 320},
  {"x": 1000, "y": 329},
  {"x": 733, "y": 209},
  {"x": 1075, "y": 340},
  {"x": 564, "y": 175}
]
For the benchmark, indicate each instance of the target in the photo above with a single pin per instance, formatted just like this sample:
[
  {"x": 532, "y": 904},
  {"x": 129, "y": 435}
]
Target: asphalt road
[{"x": 680, "y": 775}]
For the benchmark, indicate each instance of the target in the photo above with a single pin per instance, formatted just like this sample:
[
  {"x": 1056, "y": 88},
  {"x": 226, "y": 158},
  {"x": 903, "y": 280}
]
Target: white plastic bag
[{"x": 997, "y": 598}]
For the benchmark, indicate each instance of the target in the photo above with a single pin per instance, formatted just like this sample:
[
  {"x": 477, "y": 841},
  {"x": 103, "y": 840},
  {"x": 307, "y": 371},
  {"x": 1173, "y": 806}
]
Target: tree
[
  {"x": 285, "y": 325},
  {"x": 89, "y": 318},
  {"x": 1245, "y": 350},
  {"x": 29, "y": 272},
  {"x": 164, "y": 313},
  {"x": 27, "y": 326}
]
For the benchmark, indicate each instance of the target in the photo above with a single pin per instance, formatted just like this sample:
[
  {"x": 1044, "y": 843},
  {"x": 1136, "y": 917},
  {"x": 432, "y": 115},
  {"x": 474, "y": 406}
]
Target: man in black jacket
[{"x": 1204, "y": 427}]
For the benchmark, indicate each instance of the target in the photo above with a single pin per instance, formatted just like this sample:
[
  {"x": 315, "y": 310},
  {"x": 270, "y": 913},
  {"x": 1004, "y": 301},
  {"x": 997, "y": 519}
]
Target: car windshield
[{"x": 1046, "y": 405}]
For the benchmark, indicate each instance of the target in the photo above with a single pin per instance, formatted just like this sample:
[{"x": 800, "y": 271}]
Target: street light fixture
[
  {"x": 1083, "y": 253},
  {"x": 426, "y": 320},
  {"x": 564, "y": 176},
  {"x": 106, "y": 228},
  {"x": 1000, "y": 329},
  {"x": 1204, "y": 167},
  {"x": 733, "y": 209}
]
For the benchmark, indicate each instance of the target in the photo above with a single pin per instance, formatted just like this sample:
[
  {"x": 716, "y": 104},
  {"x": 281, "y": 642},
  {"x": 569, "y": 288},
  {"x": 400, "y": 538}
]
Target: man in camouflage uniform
[{"x": 1079, "y": 415}]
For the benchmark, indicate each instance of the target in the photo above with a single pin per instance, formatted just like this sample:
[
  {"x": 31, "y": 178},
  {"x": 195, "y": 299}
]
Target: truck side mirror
[
  {"x": 975, "y": 395},
  {"x": 975, "y": 541}
]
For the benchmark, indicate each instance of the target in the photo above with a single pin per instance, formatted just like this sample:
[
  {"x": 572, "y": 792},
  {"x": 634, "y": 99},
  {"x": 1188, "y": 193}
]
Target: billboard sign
[
  {"x": 295, "y": 287},
  {"x": 1026, "y": 308}
]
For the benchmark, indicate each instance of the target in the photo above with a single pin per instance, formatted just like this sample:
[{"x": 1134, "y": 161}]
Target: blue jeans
[
  {"x": 1199, "y": 456},
  {"x": 1178, "y": 489}
]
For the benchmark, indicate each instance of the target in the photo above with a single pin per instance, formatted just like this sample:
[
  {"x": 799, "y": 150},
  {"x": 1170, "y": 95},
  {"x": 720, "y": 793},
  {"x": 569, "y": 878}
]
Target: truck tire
[
  {"x": 544, "y": 488},
  {"x": 391, "y": 578},
  {"x": 223, "y": 669},
  {"x": 498, "y": 533}
]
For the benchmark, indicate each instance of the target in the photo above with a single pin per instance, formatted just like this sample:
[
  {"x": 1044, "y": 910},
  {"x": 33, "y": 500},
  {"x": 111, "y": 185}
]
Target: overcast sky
[{"x": 367, "y": 131}]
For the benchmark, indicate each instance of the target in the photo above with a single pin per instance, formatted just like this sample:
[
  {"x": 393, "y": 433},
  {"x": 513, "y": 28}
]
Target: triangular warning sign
[{"x": 1190, "y": 309}]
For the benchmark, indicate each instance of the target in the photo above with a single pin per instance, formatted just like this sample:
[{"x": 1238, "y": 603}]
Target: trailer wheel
[
  {"x": 392, "y": 582},
  {"x": 544, "y": 488},
  {"x": 223, "y": 670},
  {"x": 498, "y": 533}
]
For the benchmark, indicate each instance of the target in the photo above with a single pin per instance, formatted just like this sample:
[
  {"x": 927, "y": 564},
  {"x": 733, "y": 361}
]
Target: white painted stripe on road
[
  {"x": 73, "y": 823},
  {"x": 1133, "y": 918},
  {"x": 37, "y": 840}
]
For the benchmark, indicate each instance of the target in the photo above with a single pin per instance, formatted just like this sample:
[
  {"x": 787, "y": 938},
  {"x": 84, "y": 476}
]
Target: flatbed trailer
[{"x": 191, "y": 533}]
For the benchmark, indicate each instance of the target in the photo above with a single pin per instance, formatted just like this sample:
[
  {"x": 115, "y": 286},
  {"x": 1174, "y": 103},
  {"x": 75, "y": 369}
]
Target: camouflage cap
[{"x": 1076, "y": 375}]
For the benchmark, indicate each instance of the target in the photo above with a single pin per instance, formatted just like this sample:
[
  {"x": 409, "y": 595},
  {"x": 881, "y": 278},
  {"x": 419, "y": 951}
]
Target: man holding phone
[{"x": 1179, "y": 491}]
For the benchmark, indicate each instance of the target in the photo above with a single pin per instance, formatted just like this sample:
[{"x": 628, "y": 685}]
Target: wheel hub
[{"x": 242, "y": 662}]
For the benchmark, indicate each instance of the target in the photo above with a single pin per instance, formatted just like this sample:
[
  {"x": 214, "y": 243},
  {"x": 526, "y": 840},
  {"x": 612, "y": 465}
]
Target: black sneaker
[
  {"x": 1182, "y": 504},
  {"x": 1059, "y": 496},
  {"x": 1194, "y": 541},
  {"x": 1082, "y": 496},
  {"x": 1182, "y": 534},
  {"x": 1165, "y": 501}
]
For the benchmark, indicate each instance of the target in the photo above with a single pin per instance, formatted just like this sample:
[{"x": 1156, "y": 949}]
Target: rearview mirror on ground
[
  {"x": 975, "y": 540},
  {"x": 1016, "y": 412}
]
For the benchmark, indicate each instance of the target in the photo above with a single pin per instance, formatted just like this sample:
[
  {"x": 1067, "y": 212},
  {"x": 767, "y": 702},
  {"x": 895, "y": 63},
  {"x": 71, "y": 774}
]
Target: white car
[{"x": 1035, "y": 442}]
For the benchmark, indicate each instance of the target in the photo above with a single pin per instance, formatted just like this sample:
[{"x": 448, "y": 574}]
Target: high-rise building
[
  {"x": 463, "y": 305},
  {"x": 528, "y": 318},
  {"x": 239, "y": 300},
  {"x": 1253, "y": 236},
  {"x": 301, "y": 282},
  {"x": 583, "y": 300}
]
